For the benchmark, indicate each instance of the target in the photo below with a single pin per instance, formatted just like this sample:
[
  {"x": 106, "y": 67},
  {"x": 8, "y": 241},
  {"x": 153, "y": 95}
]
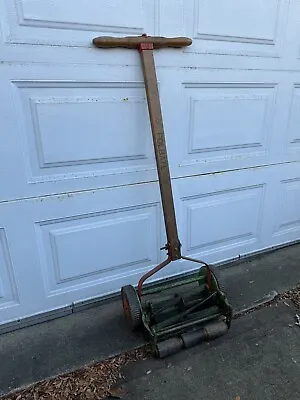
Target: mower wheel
[{"x": 132, "y": 307}]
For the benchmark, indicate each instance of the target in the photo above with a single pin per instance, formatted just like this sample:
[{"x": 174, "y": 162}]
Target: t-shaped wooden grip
[{"x": 134, "y": 42}]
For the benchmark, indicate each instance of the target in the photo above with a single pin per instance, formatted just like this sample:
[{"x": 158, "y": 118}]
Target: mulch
[
  {"x": 293, "y": 295},
  {"x": 99, "y": 381}
]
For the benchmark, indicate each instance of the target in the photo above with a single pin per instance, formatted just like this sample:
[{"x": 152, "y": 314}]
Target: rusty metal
[{"x": 150, "y": 273}]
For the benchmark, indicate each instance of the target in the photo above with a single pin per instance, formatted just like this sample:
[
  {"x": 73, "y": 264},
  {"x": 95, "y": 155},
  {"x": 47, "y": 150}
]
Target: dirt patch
[
  {"x": 293, "y": 295},
  {"x": 98, "y": 381}
]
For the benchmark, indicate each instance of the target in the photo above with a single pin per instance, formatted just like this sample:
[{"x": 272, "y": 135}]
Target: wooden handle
[{"x": 133, "y": 42}]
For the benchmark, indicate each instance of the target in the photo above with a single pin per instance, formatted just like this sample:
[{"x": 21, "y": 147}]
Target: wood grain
[{"x": 133, "y": 42}]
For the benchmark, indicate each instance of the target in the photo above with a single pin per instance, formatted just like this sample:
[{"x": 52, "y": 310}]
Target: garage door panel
[
  {"x": 223, "y": 206},
  {"x": 73, "y": 128},
  {"x": 8, "y": 289},
  {"x": 292, "y": 138},
  {"x": 81, "y": 250},
  {"x": 72, "y": 23},
  {"x": 229, "y": 120},
  {"x": 282, "y": 212},
  {"x": 258, "y": 31},
  {"x": 84, "y": 244},
  {"x": 21, "y": 289},
  {"x": 222, "y": 215},
  {"x": 12, "y": 172},
  {"x": 88, "y": 244},
  {"x": 224, "y": 120},
  {"x": 291, "y": 48},
  {"x": 64, "y": 31},
  {"x": 69, "y": 130},
  {"x": 221, "y": 120},
  {"x": 287, "y": 219}
]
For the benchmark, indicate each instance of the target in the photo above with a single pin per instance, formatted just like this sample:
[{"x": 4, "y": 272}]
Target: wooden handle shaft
[{"x": 133, "y": 42}]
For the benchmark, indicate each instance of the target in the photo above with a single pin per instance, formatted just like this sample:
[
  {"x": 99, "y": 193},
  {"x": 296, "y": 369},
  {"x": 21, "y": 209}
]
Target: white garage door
[{"x": 80, "y": 212}]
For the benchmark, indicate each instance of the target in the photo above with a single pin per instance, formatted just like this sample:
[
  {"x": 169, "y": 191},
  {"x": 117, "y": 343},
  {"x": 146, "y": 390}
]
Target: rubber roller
[
  {"x": 209, "y": 332},
  {"x": 190, "y": 339},
  {"x": 169, "y": 347}
]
